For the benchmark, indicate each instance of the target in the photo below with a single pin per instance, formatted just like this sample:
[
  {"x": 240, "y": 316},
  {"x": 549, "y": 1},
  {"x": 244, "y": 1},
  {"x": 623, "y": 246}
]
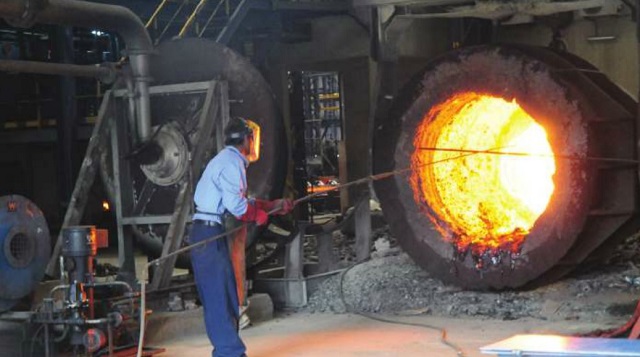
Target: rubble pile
[{"x": 392, "y": 283}]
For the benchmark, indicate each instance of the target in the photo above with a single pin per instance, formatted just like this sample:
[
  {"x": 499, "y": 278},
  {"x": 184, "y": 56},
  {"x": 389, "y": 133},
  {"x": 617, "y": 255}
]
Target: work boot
[{"x": 244, "y": 319}]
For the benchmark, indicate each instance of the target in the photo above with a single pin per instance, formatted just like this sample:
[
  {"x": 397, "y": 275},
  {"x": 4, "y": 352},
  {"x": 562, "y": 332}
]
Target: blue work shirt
[{"x": 222, "y": 187}]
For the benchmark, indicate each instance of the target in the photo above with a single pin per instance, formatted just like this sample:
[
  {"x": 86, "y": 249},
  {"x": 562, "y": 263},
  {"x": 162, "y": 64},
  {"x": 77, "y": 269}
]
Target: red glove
[
  {"x": 281, "y": 207},
  {"x": 286, "y": 206},
  {"x": 254, "y": 214}
]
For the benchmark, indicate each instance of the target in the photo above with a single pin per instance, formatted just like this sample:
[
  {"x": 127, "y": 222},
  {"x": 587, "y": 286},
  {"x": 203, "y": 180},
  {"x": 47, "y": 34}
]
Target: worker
[{"x": 222, "y": 190}]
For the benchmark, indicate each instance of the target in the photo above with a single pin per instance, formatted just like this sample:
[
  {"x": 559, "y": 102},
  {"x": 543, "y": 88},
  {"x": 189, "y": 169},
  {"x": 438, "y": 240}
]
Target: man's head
[{"x": 244, "y": 134}]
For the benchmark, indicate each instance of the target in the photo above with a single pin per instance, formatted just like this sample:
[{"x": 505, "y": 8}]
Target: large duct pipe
[{"x": 92, "y": 15}]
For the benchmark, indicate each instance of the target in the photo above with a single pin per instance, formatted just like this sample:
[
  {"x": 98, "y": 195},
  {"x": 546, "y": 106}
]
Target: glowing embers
[{"x": 485, "y": 202}]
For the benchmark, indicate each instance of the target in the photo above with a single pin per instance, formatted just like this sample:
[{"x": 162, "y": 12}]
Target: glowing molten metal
[{"x": 483, "y": 202}]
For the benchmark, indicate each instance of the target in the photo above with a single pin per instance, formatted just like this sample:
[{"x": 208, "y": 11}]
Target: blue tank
[{"x": 25, "y": 249}]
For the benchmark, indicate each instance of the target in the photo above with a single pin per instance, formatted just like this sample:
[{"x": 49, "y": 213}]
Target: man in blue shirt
[{"x": 223, "y": 189}]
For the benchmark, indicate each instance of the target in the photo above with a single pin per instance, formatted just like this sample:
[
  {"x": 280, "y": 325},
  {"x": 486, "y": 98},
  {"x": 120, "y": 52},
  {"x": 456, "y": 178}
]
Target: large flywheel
[{"x": 176, "y": 120}]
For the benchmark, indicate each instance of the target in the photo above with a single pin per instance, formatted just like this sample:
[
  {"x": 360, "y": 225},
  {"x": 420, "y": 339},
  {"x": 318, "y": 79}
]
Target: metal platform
[{"x": 556, "y": 346}]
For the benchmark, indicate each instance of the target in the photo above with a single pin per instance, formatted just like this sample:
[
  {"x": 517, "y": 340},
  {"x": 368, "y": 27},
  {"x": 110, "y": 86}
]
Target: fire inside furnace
[{"x": 482, "y": 202}]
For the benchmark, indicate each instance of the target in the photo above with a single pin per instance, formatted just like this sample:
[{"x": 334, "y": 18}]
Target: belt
[
  {"x": 210, "y": 213},
  {"x": 206, "y": 223}
]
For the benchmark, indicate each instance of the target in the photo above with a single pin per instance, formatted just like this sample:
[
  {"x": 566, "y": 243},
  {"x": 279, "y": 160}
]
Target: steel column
[
  {"x": 67, "y": 119},
  {"x": 120, "y": 146}
]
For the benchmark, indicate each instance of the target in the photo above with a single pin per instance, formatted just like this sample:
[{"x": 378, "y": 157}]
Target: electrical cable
[{"x": 442, "y": 331}]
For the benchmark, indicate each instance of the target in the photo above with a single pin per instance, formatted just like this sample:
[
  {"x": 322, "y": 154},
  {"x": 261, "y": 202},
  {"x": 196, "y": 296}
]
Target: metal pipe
[
  {"x": 110, "y": 339},
  {"x": 101, "y": 72},
  {"x": 47, "y": 351},
  {"x": 131, "y": 101},
  {"x": 83, "y": 14},
  {"x": 94, "y": 285},
  {"x": 56, "y": 288},
  {"x": 111, "y": 283},
  {"x": 140, "y": 64},
  {"x": 76, "y": 321},
  {"x": 93, "y": 15}
]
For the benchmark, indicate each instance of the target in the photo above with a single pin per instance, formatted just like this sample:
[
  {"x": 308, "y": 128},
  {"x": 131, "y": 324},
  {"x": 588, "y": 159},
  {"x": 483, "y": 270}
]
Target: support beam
[
  {"x": 363, "y": 229},
  {"x": 67, "y": 123},
  {"x": 85, "y": 179},
  {"x": 123, "y": 199},
  {"x": 294, "y": 255}
]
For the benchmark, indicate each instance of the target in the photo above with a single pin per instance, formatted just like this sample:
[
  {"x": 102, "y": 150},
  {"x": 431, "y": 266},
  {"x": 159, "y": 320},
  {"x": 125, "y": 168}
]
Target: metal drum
[
  {"x": 494, "y": 220},
  {"x": 26, "y": 248},
  {"x": 195, "y": 60}
]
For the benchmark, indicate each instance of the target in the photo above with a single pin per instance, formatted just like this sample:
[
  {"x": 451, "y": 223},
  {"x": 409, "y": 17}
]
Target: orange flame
[{"x": 482, "y": 201}]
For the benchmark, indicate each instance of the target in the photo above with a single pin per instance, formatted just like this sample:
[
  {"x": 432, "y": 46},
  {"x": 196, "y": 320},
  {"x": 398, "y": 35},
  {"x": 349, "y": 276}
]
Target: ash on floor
[{"x": 392, "y": 283}]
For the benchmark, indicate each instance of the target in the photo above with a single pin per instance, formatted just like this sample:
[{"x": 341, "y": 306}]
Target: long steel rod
[
  {"x": 191, "y": 18},
  {"x": 213, "y": 14},
  {"x": 363, "y": 180},
  {"x": 156, "y": 13},
  {"x": 526, "y": 154},
  {"x": 168, "y": 25}
]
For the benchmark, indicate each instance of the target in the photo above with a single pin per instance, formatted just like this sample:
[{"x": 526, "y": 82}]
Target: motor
[{"x": 91, "y": 317}]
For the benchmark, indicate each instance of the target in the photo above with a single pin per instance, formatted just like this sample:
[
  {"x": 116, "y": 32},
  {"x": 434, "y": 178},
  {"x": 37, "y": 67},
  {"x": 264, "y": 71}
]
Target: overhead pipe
[
  {"x": 86, "y": 14},
  {"x": 103, "y": 73}
]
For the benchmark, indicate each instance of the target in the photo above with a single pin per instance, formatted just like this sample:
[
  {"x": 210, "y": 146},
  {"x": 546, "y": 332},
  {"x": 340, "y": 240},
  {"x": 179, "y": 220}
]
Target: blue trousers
[{"x": 217, "y": 289}]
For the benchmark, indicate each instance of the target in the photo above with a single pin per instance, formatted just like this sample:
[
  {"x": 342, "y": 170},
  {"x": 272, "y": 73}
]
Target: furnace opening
[{"x": 482, "y": 201}]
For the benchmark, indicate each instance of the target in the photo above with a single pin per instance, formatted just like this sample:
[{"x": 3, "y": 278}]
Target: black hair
[{"x": 236, "y": 131}]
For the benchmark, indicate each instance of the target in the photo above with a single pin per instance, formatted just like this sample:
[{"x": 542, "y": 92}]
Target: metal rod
[
  {"x": 166, "y": 28},
  {"x": 156, "y": 13},
  {"x": 111, "y": 283},
  {"x": 61, "y": 69},
  {"x": 526, "y": 154},
  {"x": 191, "y": 18},
  {"x": 143, "y": 289},
  {"x": 56, "y": 288},
  {"x": 76, "y": 322},
  {"x": 110, "y": 339},
  {"x": 47, "y": 349},
  {"x": 62, "y": 275},
  {"x": 143, "y": 313},
  {"x": 213, "y": 14}
]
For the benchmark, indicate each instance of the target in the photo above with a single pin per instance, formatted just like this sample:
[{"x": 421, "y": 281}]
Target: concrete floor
[{"x": 315, "y": 335}]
